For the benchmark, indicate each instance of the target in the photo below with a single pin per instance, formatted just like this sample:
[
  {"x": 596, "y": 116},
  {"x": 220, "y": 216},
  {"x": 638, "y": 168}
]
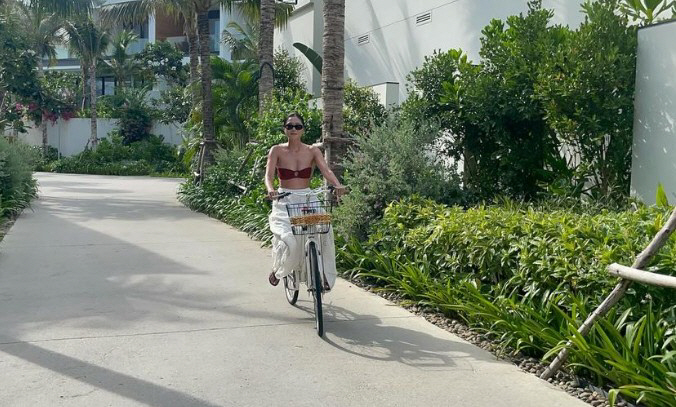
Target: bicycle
[{"x": 310, "y": 219}]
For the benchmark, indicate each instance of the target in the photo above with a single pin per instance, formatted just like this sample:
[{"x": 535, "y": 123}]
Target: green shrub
[
  {"x": 529, "y": 276},
  {"x": 394, "y": 161},
  {"x": 362, "y": 111},
  {"x": 17, "y": 186},
  {"x": 150, "y": 156}
]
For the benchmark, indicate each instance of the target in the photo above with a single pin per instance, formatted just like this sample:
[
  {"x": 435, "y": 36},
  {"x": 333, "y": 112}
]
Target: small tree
[{"x": 588, "y": 93}]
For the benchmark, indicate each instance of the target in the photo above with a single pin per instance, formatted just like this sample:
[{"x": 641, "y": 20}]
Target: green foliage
[
  {"x": 164, "y": 60},
  {"x": 135, "y": 116},
  {"x": 546, "y": 109},
  {"x": 393, "y": 161},
  {"x": 529, "y": 276},
  {"x": 269, "y": 125},
  {"x": 19, "y": 85},
  {"x": 65, "y": 90},
  {"x": 362, "y": 110},
  {"x": 312, "y": 55},
  {"x": 597, "y": 59},
  {"x": 235, "y": 99},
  {"x": 648, "y": 11},
  {"x": 661, "y": 197},
  {"x": 288, "y": 72},
  {"x": 17, "y": 186},
  {"x": 150, "y": 156},
  {"x": 174, "y": 105}
]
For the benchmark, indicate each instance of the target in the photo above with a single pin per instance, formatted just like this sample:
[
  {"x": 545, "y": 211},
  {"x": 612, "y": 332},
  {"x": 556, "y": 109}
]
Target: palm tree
[
  {"x": 333, "y": 82},
  {"x": 242, "y": 39},
  {"x": 199, "y": 10},
  {"x": 120, "y": 62},
  {"x": 234, "y": 98},
  {"x": 89, "y": 40},
  {"x": 43, "y": 31}
]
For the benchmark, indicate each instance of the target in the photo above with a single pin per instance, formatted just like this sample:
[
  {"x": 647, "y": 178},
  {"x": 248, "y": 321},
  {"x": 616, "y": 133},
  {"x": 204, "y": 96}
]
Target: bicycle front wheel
[{"x": 317, "y": 289}]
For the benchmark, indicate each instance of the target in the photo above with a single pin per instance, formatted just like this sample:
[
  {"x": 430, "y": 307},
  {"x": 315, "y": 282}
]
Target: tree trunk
[
  {"x": 332, "y": 84},
  {"x": 265, "y": 52},
  {"x": 43, "y": 122},
  {"x": 93, "y": 140},
  {"x": 85, "y": 77},
  {"x": 193, "y": 49},
  {"x": 208, "y": 142}
]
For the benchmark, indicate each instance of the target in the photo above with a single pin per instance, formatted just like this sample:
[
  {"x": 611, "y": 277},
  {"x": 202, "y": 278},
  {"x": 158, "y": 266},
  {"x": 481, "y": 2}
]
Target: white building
[
  {"x": 157, "y": 27},
  {"x": 387, "y": 39}
]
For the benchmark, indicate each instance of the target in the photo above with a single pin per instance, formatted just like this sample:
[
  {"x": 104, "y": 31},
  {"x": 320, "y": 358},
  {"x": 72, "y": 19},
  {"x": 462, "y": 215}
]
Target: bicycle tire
[
  {"x": 289, "y": 288},
  {"x": 317, "y": 291}
]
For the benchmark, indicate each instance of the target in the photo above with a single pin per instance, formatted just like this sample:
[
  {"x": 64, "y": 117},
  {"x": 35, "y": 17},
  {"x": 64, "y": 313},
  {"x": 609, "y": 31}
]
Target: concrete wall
[
  {"x": 396, "y": 44},
  {"x": 654, "y": 149},
  {"x": 70, "y": 136}
]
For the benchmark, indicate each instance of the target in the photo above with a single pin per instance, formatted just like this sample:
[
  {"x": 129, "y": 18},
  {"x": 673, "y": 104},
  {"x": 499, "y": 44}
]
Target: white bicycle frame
[{"x": 315, "y": 238}]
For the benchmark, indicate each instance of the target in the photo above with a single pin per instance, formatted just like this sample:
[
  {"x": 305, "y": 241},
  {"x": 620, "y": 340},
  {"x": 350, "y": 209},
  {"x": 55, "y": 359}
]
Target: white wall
[
  {"x": 70, "y": 136},
  {"x": 654, "y": 149},
  {"x": 396, "y": 44},
  {"x": 306, "y": 26}
]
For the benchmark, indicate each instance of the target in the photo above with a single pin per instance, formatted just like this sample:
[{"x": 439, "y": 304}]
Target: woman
[{"x": 294, "y": 162}]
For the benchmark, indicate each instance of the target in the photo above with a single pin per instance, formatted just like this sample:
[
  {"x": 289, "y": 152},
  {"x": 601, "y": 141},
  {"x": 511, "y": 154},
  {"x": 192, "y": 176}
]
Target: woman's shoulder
[{"x": 278, "y": 147}]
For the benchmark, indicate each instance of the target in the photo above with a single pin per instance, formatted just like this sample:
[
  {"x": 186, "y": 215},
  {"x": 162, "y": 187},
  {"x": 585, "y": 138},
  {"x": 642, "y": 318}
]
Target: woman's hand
[
  {"x": 272, "y": 195},
  {"x": 339, "y": 191}
]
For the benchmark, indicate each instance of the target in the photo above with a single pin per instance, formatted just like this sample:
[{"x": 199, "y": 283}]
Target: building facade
[{"x": 387, "y": 39}]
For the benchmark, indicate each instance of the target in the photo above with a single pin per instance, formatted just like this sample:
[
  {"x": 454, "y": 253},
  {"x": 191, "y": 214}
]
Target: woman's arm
[
  {"x": 326, "y": 171},
  {"x": 270, "y": 172}
]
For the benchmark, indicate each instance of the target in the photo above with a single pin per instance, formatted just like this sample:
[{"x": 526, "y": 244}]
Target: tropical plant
[
  {"x": 89, "y": 40},
  {"x": 19, "y": 84},
  {"x": 242, "y": 39},
  {"x": 17, "y": 186},
  {"x": 44, "y": 32},
  {"x": 647, "y": 11},
  {"x": 121, "y": 63},
  {"x": 234, "y": 99},
  {"x": 312, "y": 55},
  {"x": 161, "y": 60}
]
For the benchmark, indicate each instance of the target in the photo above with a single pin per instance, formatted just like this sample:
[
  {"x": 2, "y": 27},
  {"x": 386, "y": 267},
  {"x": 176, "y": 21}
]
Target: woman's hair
[{"x": 294, "y": 114}]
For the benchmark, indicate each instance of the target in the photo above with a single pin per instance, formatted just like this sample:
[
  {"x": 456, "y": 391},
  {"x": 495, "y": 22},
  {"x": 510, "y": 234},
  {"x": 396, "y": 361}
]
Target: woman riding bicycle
[{"x": 294, "y": 162}]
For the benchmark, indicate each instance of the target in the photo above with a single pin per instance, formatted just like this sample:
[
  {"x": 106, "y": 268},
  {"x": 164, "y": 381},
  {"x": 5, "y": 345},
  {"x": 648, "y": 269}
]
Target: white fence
[{"x": 70, "y": 136}]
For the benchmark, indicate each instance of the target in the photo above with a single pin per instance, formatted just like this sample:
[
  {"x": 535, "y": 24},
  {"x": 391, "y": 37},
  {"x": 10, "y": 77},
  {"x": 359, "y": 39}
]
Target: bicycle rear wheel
[
  {"x": 317, "y": 289},
  {"x": 291, "y": 288}
]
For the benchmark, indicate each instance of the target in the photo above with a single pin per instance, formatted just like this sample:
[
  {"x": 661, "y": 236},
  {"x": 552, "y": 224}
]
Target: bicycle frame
[{"x": 313, "y": 266}]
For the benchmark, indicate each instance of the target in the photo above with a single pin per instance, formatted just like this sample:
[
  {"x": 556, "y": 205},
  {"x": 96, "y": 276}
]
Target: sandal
[{"x": 272, "y": 278}]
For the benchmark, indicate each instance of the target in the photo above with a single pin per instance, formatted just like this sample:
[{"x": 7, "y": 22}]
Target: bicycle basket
[{"x": 310, "y": 218}]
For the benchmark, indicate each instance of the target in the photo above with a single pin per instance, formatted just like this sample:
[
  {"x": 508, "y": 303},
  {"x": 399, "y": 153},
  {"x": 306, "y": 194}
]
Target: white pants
[{"x": 287, "y": 248}]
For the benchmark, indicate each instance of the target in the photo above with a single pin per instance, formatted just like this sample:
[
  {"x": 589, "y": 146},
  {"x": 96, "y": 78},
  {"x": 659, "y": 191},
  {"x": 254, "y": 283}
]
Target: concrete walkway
[{"x": 114, "y": 294}]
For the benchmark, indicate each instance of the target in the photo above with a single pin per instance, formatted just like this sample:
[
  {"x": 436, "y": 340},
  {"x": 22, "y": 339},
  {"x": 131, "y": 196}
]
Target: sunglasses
[{"x": 293, "y": 126}]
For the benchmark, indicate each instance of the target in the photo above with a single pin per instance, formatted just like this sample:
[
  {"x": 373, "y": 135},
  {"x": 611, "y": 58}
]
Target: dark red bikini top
[{"x": 285, "y": 173}]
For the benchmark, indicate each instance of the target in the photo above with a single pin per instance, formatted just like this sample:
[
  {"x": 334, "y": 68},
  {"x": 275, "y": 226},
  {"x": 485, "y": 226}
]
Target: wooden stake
[{"x": 641, "y": 261}]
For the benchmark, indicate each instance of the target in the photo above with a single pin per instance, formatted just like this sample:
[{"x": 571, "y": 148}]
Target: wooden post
[
  {"x": 641, "y": 276},
  {"x": 641, "y": 261}
]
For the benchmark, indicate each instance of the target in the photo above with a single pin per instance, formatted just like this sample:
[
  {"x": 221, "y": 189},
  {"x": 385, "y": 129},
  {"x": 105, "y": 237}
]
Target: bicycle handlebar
[{"x": 281, "y": 195}]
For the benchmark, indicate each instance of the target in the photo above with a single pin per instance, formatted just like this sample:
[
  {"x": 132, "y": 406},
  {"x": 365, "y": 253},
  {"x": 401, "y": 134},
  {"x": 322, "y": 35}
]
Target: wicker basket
[{"x": 309, "y": 218}]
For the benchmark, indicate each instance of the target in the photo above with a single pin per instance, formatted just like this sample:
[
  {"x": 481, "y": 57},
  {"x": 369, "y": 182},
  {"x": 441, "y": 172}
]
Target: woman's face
[{"x": 293, "y": 127}]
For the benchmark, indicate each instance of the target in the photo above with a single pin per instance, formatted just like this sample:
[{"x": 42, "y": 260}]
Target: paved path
[{"x": 113, "y": 294}]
